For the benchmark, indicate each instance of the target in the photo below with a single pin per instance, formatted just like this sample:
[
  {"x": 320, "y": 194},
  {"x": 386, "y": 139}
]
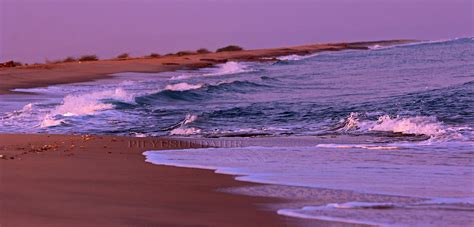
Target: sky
[{"x": 39, "y": 30}]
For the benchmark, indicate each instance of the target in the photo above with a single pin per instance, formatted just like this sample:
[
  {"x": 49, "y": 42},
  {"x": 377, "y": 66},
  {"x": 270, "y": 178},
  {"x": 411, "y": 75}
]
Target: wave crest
[
  {"x": 182, "y": 129},
  {"x": 295, "y": 57},
  {"x": 183, "y": 86},
  {"x": 414, "y": 125},
  {"x": 84, "y": 104},
  {"x": 228, "y": 68}
]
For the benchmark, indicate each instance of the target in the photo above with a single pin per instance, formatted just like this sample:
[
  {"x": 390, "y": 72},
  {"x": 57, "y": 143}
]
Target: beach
[
  {"x": 236, "y": 113},
  {"x": 101, "y": 181},
  {"x": 73, "y": 180},
  {"x": 337, "y": 134}
]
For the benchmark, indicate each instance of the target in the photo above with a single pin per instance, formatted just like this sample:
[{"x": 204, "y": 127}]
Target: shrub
[
  {"x": 69, "y": 59},
  {"x": 184, "y": 53},
  {"x": 154, "y": 55},
  {"x": 123, "y": 56},
  {"x": 203, "y": 51},
  {"x": 9, "y": 64},
  {"x": 230, "y": 48},
  {"x": 89, "y": 58}
]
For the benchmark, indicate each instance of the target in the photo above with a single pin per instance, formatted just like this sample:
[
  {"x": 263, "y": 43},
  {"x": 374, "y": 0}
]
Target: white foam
[
  {"x": 228, "y": 68},
  {"x": 418, "y": 125},
  {"x": 295, "y": 57},
  {"x": 182, "y": 76},
  {"x": 410, "y": 125},
  {"x": 381, "y": 47},
  {"x": 375, "y": 47},
  {"x": 183, "y": 86},
  {"x": 183, "y": 129},
  {"x": 189, "y": 119},
  {"x": 84, "y": 104},
  {"x": 26, "y": 109},
  {"x": 49, "y": 122},
  {"x": 89, "y": 103}
]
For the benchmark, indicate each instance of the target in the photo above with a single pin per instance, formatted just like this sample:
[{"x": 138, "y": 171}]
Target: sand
[
  {"x": 65, "y": 180},
  {"x": 60, "y": 73}
]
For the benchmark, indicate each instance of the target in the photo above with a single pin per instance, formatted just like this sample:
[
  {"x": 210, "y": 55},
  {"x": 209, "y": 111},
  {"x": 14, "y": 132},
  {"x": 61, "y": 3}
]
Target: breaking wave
[
  {"x": 182, "y": 127},
  {"x": 295, "y": 57},
  {"x": 183, "y": 86},
  {"x": 84, "y": 104},
  {"x": 414, "y": 125},
  {"x": 229, "y": 68},
  {"x": 419, "y": 43},
  {"x": 198, "y": 92}
]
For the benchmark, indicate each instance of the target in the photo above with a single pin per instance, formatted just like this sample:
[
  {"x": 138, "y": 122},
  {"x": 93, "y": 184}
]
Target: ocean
[{"x": 382, "y": 136}]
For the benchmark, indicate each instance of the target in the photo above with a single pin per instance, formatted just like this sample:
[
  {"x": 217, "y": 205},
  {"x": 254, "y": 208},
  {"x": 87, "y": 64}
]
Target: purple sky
[{"x": 36, "y": 30}]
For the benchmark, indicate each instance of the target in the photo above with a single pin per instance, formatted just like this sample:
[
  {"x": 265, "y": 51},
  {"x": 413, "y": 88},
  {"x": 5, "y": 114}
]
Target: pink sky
[{"x": 36, "y": 30}]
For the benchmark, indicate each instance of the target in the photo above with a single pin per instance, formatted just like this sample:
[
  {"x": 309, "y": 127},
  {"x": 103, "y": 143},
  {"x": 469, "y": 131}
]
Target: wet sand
[{"x": 49, "y": 74}]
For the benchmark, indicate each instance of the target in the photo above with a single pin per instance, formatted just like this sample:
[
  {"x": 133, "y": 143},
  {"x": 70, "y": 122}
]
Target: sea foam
[
  {"x": 417, "y": 125},
  {"x": 182, "y": 127},
  {"x": 183, "y": 86},
  {"x": 295, "y": 57},
  {"x": 84, "y": 104},
  {"x": 230, "y": 67}
]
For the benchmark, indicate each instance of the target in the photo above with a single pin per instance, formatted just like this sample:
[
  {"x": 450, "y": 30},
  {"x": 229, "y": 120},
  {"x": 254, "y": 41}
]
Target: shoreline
[
  {"x": 33, "y": 76},
  {"x": 78, "y": 180}
]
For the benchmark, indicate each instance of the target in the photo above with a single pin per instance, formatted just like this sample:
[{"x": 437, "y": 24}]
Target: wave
[
  {"x": 182, "y": 129},
  {"x": 183, "y": 86},
  {"x": 229, "y": 68},
  {"x": 17, "y": 113},
  {"x": 183, "y": 76},
  {"x": 428, "y": 42},
  {"x": 185, "y": 131},
  {"x": 197, "y": 92},
  {"x": 84, "y": 104},
  {"x": 294, "y": 57},
  {"x": 414, "y": 125}
]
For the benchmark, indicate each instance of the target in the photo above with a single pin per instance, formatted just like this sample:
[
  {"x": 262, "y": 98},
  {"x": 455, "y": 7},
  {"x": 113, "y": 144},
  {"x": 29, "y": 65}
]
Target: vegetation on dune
[
  {"x": 69, "y": 59},
  {"x": 89, "y": 58},
  {"x": 203, "y": 51},
  {"x": 123, "y": 56},
  {"x": 184, "y": 53},
  {"x": 9, "y": 64},
  {"x": 154, "y": 55},
  {"x": 230, "y": 48}
]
